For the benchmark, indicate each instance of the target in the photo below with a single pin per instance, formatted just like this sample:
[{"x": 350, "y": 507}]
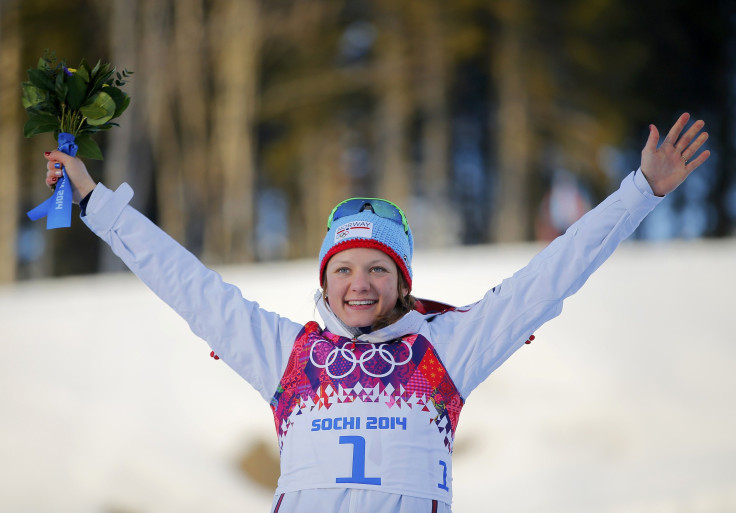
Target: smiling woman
[
  {"x": 366, "y": 408},
  {"x": 365, "y": 264},
  {"x": 362, "y": 286}
]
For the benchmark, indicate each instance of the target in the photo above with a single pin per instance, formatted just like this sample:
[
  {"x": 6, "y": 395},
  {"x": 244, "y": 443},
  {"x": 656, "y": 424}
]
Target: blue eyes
[{"x": 374, "y": 269}]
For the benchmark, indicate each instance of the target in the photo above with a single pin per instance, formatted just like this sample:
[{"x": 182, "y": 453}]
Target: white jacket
[{"x": 383, "y": 448}]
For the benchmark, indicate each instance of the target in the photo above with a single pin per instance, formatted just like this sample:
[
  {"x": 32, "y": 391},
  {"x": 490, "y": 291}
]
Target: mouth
[{"x": 361, "y": 302}]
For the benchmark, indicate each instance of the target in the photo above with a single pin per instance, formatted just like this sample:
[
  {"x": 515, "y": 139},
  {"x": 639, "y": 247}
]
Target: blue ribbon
[{"x": 58, "y": 208}]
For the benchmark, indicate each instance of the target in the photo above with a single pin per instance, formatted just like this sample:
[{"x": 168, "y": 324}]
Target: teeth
[{"x": 363, "y": 302}]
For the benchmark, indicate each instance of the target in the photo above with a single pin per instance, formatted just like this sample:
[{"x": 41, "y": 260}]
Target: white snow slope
[{"x": 626, "y": 403}]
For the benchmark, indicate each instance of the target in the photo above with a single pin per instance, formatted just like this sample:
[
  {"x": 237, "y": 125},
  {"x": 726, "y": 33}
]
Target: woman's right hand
[{"x": 79, "y": 178}]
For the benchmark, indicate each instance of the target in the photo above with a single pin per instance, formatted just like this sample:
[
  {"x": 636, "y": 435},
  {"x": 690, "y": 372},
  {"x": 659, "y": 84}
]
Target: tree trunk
[
  {"x": 393, "y": 108},
  {"x": 157, "y": 76},
  {"x": 237, "y": 47},
  {"x": 123, "y": 161},
  {"x": 10, "y": 48},
  {"x": 436, "y": 222},
  {"x": 513, "y": 212},
  {"x": 324, "y": 182},
  {"x": 191, "y": 58}
]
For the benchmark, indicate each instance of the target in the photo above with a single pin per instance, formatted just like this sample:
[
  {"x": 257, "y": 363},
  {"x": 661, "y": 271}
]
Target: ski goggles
[{"x": 381, "y": 207}]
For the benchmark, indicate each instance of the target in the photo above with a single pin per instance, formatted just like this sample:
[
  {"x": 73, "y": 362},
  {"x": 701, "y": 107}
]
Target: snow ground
[{"x": 623, "y": 404}]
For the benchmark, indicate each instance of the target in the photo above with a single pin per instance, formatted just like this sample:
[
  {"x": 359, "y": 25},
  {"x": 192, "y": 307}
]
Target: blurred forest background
[{"x": 489, "y": 121}]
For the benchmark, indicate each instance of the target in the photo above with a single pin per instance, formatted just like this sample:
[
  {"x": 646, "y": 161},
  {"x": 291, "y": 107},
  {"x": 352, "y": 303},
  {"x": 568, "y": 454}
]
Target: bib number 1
[
  {"x": 358, "y": 476},
  {"x": 443, "y": 484}
]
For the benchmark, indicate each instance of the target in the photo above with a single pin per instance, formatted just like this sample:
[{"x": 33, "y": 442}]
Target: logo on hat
[{"x": 354, "y": 229}]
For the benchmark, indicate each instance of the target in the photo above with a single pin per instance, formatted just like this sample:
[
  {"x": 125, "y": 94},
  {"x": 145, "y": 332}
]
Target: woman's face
[{"x": 362, "y": 285}]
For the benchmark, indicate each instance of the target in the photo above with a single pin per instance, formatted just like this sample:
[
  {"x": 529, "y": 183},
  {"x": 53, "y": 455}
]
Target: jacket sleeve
[
  {"x": 254, "y": 342},
  {"x": 475, "y": 340}
]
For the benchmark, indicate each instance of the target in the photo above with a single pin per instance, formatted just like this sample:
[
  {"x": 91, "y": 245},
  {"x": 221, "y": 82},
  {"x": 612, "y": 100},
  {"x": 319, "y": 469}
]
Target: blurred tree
[
  {"x": 436, "y": 222},
  {"x": 723, "y": 192},
  {"x": 157, "y": 74},
  {"x": 59, "y": 252},
  {"x": 393, "y": 107},
  {"x": 236, "y": 44},
  {"x": 303, "y": 95},
  {"x": 189, "y": 56},
  {"x": 123, "y": 162},
  {"x": 572, "y": 81},
  {"x": 252, "y": 117},
  {"x": 191, "y": 118},
  {"x": 10, "y": 120},
  {"x": 513, "y": 72}
]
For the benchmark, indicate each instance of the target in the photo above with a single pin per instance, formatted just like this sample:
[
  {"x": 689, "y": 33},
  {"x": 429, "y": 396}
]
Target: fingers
[
  {"x": 53, "y": 173},
  {"x": 51, "y": 181},
  {"x": 652, "y": 140},
  {"x": 687, "y": 137},
  {"x": 79, "y": 178},
  {"x": 674, "y": 132},
  {"x": 58, "y": 156},
  {"x": 667, "y": 166},
  {"x": 54, "y": 166},
  {"x": 695, "y": 163},
  {"x": 693, "y": 148},
  {"x": 687, "y": 145}
]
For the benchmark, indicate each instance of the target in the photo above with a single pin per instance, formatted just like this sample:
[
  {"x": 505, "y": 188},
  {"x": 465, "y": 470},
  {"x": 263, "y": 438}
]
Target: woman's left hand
[{"x": 666, "y": 167}]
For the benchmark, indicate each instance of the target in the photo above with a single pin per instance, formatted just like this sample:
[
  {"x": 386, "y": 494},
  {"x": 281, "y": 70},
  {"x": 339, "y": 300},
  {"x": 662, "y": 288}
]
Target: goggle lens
[{"x": 381, "y": 207}]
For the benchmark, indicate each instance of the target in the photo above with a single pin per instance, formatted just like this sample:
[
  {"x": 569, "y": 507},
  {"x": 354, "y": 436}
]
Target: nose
[{"x": 360, "y": 282}]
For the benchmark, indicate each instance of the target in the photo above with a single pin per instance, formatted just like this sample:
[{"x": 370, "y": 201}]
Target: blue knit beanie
[{"x": 369, "y": 230}]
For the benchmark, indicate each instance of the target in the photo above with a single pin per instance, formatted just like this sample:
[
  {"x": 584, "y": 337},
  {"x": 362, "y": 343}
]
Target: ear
[
  {"x": 324, "y": 289},
  {"x": 401, "y": 286}
]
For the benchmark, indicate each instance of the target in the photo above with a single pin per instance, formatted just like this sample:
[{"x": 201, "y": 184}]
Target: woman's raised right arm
[{"x": 254, "y": 342}]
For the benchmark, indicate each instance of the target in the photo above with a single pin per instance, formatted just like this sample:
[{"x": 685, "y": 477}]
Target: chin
[
  {"x": 358, "y": 322},
  {"x": 362, "y": 324}
]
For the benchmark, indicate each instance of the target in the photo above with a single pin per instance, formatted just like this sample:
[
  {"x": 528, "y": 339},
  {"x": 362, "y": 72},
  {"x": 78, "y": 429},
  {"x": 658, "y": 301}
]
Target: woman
[{"x": 366, "y": 408}]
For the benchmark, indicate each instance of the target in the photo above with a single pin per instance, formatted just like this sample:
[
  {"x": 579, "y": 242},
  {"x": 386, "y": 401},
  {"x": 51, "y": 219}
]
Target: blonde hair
[{"x": 404, "y": 305}]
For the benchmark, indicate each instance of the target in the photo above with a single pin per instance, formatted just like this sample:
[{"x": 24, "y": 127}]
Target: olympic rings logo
[{"x": 378, "y": 354}]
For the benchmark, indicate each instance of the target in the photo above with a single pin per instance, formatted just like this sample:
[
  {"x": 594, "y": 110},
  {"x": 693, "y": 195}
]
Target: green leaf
[
  {"x": 48, "y": 106},
  {"x": 41, "y": 80},
  {"x": 85, "y": 66},
  {"x": 47, "y": 61},
  {"x": 61, "y": 88},
  {"x": 122, "y": 100},
  {"x": 77, "y": 91},
  {"x": 87, "y": 147},
  {"x": 40, "y": 123},
  {"x": 100, "y": 128},
  {"x": 33, "y": 97},
  {"x": 100, "y": 69},
  {"x": 99, "y": 109},
  {"x": 95, "y": 69},
  {"x": 97, "y": 81},
  {"x": 121, "y": 107},
  {"x": 83, "y": 72}
]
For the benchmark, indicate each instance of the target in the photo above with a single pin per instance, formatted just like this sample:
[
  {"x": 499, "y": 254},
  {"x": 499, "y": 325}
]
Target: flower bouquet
[{"x": 74, "y": 104}]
